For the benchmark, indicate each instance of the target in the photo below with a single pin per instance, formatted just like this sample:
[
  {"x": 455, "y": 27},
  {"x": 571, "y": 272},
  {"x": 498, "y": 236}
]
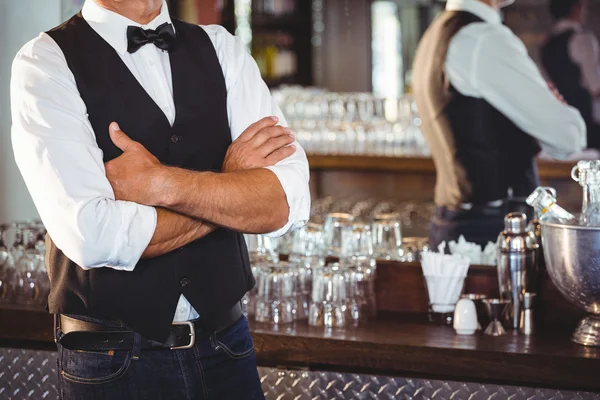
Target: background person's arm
[{"x": 490, "y": 62}]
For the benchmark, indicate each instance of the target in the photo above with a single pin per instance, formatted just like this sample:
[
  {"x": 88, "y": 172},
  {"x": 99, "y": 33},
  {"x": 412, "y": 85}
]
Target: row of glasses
[
  {"x": 23, "y": 277},
  {"x": 414, "y": 217},
  {"x": 287, "y": 291},
  {"x": 329, "y": 123},
  {"x": 385, "y": 236}
]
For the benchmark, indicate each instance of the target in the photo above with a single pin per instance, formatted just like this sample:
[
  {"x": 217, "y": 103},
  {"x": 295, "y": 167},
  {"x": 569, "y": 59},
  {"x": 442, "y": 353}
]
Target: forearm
[
  {"x": 250, "y": 201},
  {"x": 173, "y": 231}
]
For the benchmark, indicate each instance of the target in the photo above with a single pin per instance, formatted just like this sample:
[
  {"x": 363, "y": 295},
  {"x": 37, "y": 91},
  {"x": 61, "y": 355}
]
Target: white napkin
[
  {"x": 445, "y": 275},
  {"x": 473, "y": 251},
  {"x": 489, "y": 256}
]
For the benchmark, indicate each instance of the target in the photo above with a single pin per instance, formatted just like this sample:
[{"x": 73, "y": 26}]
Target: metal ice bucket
[{"x": 572, "y": 256}]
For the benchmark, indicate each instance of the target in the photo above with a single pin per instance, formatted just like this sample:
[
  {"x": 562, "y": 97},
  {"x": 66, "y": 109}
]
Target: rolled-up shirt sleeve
[
  {"x": 55, "y": 149},
  {"x": 248, "y": 100}
]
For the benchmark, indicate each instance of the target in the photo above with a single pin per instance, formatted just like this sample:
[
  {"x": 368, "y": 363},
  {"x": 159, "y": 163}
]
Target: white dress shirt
[
  {"x": 585, "y": 52},
  {"x": 57, "y": 154},
  {"x": 486, "y": 60}
]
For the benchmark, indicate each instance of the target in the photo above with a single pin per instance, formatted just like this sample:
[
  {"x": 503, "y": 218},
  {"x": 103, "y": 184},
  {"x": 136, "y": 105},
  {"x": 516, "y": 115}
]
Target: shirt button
[
  {"x": 183, "y": 282},
  {"x": 174, "y": 138}
]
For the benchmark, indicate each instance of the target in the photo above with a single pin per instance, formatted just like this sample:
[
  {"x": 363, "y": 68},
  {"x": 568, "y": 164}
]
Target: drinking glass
[
  {"x": 360, "y": 266},
  {"x": 249, "y": 300},
  {"x": 275, "y": 302},
  {"x": 387, "y": 236},
  {"x": 7, "y": 269},
  {"x": 335, "y": 224},
  {"x": 261, "y": 249},
  {"x": 28, "y": 268},
  {"x": 357, "y": 243},
  {"x": 307, "y": 246},
  {"x": 3, "y": 247},
  {"x": 329, "y": 300}
]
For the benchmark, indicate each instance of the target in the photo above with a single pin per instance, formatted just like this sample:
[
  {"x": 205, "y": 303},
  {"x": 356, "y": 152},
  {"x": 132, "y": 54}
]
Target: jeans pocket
[
  {"x": 93, "y": 368},
  {"x": 235, "y": 341}
]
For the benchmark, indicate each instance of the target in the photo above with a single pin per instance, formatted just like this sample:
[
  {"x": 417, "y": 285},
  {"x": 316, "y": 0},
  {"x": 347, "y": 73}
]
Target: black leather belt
[{"x": 78, "y": 334}]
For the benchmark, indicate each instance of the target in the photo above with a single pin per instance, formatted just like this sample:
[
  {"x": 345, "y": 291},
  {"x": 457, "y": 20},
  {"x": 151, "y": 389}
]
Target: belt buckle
[{"x": 192, "y": 336}]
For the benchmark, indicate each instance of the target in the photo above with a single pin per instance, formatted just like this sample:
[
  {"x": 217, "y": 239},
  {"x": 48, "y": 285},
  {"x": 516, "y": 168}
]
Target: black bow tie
[{"x": 163, "y": 37}]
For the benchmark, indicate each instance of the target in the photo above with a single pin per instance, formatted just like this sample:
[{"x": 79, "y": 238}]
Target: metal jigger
[
  {"x": 496, "y": 309},
  {"x": 527, "y": 325}
]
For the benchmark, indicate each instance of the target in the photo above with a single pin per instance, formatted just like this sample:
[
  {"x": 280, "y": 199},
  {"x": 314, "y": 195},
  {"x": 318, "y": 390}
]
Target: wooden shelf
[
  {"x": 285, "y": 22},
  {"x": 286, "y": 80},
  {"x": 424, "y": 165}
]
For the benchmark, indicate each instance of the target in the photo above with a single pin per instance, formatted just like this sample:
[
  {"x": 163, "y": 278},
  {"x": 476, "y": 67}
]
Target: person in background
[
  {"x": 149, "y": 145},
  {"x": 571, "y": 60},
  {"x": 486, "y": 112}
]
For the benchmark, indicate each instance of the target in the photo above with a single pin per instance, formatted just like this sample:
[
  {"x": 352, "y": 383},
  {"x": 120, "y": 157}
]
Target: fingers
[
  {"x": 119, "y": 138},
  {"x": 279, "y": 155},
  {"x": 269, "y": 133},
  {"x": 274, "y": 144},
  {"x": 257, "y": 127}
]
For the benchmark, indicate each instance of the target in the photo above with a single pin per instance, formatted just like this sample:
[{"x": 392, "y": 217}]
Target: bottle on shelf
[
  {"x": 275, "y": 7},
  {"x": 274, "y": 55},
  {"x": 543, "y": 200}
]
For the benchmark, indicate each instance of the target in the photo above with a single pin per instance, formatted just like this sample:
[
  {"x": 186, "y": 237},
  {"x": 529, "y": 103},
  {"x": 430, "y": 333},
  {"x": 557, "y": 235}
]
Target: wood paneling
[{"x": 344, "y": 57}]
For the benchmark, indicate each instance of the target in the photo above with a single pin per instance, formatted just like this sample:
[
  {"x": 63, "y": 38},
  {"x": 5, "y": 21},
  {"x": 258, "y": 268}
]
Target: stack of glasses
[
  {"x": 330, "y": 273},
  {"x": 352, "y": 123},
  {"x": 23, "y": 278}
]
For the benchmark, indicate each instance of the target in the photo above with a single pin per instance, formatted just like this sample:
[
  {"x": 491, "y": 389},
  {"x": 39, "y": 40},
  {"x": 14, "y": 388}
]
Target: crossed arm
[{"x": 244, "y": 197}]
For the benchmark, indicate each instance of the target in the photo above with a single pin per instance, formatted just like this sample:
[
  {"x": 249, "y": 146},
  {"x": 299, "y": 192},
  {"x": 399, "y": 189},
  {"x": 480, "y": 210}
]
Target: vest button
[
  {"x": 174, "y": 138},
  {"x": 183, "y": 282}
]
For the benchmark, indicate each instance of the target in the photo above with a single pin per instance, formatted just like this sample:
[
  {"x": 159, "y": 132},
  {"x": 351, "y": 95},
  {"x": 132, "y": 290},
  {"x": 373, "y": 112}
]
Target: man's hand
[
  {"x": 263, "y": 144},
  {"x": 131, "y": 174},
  {"x": 556, "y": 93}
]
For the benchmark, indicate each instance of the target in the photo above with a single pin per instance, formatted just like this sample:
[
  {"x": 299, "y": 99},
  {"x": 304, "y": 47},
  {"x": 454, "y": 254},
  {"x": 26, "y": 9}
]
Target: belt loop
[{"x": 137, "y": 346}]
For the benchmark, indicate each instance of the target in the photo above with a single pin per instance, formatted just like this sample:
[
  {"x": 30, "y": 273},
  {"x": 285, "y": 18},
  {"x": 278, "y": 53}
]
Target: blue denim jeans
[{"x": 222, "y": 366}]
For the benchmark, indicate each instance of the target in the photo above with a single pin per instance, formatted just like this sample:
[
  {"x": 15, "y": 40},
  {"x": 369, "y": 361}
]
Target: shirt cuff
[
  {"x": 297, "y": 194},
  {"x": 137, "y": 228}
]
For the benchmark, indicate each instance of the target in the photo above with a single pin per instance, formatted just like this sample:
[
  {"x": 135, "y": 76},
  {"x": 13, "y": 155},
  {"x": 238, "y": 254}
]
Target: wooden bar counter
[
  {"x": 399, "y": 346},
  {"x": 401, "y": 342}
]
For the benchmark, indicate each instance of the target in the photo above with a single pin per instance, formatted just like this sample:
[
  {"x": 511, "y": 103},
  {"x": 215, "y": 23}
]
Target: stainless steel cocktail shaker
[{"x": 517, "y": 267}]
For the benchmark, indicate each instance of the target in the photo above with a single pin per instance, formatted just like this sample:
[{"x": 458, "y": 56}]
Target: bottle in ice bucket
[
  {"x": 587, "y": 174},
  {"x": 543, "y": 200}
]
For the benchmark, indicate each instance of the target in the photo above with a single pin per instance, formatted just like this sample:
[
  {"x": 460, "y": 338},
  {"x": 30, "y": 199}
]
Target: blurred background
[{"x": 357, "y": 46}]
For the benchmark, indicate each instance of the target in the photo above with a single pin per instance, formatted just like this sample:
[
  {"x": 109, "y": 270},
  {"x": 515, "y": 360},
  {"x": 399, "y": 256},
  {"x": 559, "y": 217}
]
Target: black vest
[
  {"x": 213, "y": 273},
  {"x": 479, "y": 153},
  {"x": 566, "y": 76}
]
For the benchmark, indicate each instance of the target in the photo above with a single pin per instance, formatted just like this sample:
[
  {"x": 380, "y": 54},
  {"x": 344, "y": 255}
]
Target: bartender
[
  {"x": 570, "y": 58},
  {"x": 486, "y": 111}
]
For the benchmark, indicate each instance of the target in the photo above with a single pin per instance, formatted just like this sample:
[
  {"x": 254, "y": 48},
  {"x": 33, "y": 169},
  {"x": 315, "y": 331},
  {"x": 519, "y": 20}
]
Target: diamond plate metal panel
[
  {"x": 304, "y": 385},
  {"x": 28, "y": 374}
]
